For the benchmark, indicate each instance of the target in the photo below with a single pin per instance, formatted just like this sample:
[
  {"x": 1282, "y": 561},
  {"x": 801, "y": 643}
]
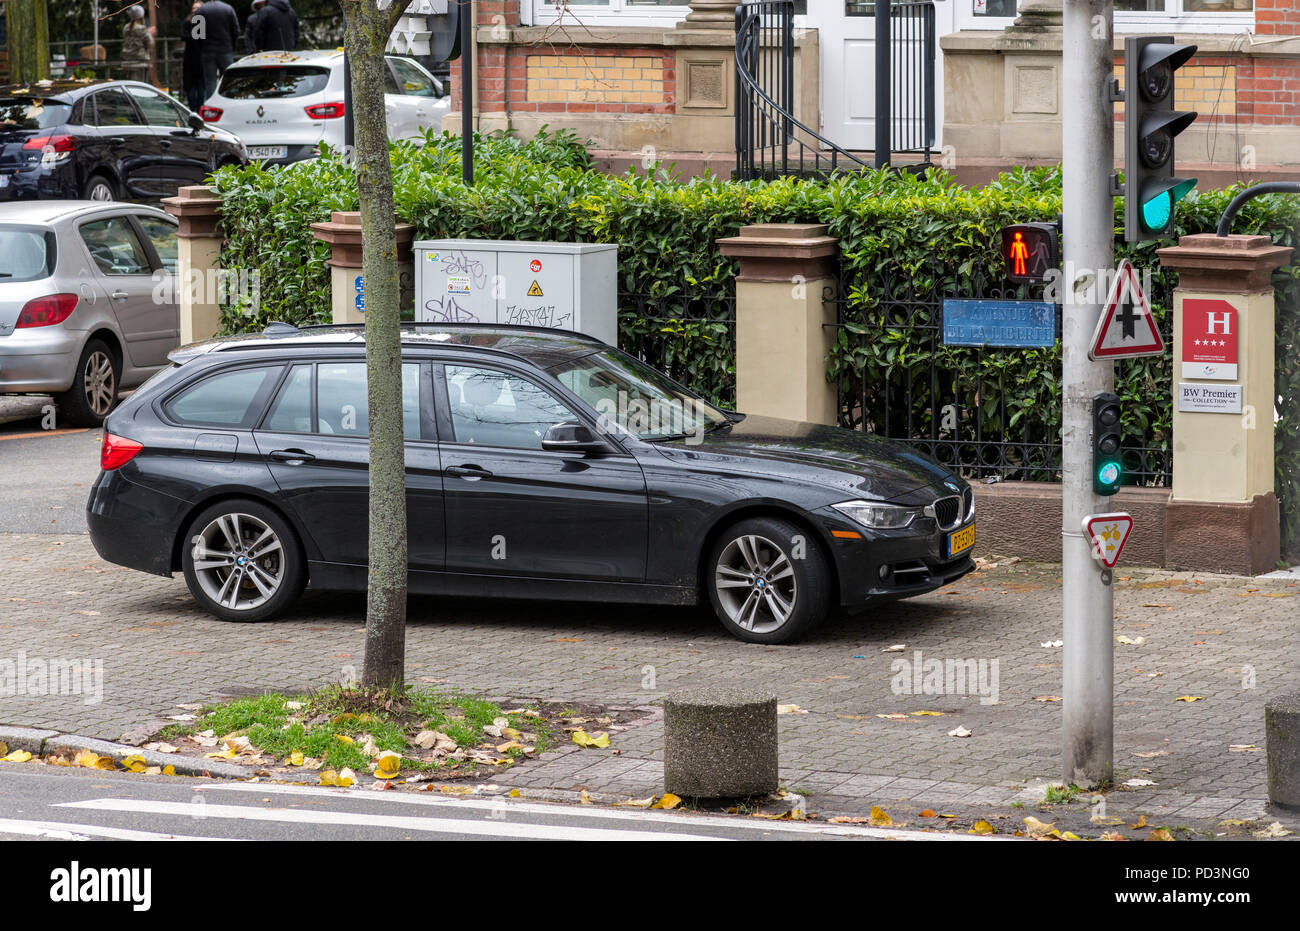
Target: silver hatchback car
[{"x": 87, "y": 301}]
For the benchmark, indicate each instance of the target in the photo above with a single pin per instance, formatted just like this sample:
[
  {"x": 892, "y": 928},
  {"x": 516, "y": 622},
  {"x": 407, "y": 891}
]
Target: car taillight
[
  {"x": 57, "y": 144},
  {"x": 46, "y": 311},
  {"x": 210, "y": 114},
  {"x": 325, "y": 111},
  {"x": 117, "y": 451}
]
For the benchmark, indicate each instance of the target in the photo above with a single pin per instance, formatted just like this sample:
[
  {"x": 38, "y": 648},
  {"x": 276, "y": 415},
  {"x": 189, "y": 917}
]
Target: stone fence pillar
[
  {"x": 343, "y": 232},
  {"x": 1223, "y": 512},
  {"x": 198, "y": 208},
  {"x": 784, "y": 301}
]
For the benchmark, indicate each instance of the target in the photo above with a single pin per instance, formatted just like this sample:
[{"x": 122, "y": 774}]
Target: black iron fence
[
  {"x": 687, "y": 332},
  {"x": 771, "y": 141},
  {"x": 969, "y": 408}
]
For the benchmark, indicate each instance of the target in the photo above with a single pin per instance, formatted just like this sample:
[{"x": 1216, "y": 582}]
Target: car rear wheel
[
  {"x": 768, "y": 582},
  {"x": 242, "y": 561},
  {"x": 100, "y": 188},
  {"x": 94, "y": 387}
]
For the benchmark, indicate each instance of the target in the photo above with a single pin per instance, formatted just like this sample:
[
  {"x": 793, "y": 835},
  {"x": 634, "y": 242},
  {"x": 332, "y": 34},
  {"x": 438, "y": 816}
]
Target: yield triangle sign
[
  {"x": 1108, "y": 533},
  {"x": 1126, "y": 327}
]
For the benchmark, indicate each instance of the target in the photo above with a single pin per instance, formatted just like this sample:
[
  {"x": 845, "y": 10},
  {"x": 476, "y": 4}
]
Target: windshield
[
  {"x": 31, "y": 113},
  {"x": 631, "y": 397},
  {"x": 273, "y": 81},
  {"x": 26, "y": 253}
]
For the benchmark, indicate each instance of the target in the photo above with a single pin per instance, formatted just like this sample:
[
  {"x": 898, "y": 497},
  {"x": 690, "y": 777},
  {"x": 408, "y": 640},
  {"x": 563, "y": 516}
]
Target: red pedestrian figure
[{"x": 1019, "y": 252}]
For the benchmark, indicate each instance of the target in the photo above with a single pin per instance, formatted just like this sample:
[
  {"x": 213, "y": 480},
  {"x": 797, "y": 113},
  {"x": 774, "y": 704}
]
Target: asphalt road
[
  {"x": 75, "y": 804},
  {"x": 46, "y": 474}
]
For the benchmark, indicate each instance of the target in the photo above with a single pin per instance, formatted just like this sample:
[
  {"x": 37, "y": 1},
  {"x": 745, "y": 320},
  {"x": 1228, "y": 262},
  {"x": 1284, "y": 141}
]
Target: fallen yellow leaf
[
  {"x": 667, "y": 801},
  {"x": 134, "y": 763},
  {"x": 1141, "y": 822},
  {"x": 1190, "y": 698},
  {"x": 981, "y": 828},
  {"x": 599, "y": 740},
  {"x": 387, "y": 765},
  {"x": 879, "y": 818},
  {"x": 18, "y": 756},
  {"x": 1160, "y": 834},
  {"x": 295, "y": 758}
]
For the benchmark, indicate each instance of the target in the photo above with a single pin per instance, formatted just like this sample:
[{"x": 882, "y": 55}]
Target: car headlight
[{"x": 878, "y": 516}]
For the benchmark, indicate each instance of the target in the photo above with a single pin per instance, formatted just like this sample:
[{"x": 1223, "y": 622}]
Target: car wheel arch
[
  {"x": 781, "y": 511},
  {"x": 217, "y": 496}
]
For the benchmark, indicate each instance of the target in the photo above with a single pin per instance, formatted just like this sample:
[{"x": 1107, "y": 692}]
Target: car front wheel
[
  {"x": 242, "y": 561},
  {"x": 768, "y": 581}
]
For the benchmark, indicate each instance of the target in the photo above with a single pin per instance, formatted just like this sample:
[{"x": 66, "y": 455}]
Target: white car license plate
[
  {"x": 4, "y": 181},
  {"x": 268, "y": 151}
]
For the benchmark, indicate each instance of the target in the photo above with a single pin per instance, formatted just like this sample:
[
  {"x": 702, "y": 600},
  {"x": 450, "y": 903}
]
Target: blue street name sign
[
  {"x": 999, "y": 324},
  {"x": 360, "y": 285}
]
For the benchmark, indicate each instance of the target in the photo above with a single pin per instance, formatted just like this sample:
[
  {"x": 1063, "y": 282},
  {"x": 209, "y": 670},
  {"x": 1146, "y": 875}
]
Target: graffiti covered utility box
[{"x": 568, "y": 286}]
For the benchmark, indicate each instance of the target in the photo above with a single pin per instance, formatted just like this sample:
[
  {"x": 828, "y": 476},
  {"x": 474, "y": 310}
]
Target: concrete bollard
[
  {"x": 1282, "y": 742},
  {"x": 720, "y": 743}
]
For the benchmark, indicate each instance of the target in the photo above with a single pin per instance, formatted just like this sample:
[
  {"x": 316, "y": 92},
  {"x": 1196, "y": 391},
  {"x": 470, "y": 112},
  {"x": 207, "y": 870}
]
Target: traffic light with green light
[
  {"x": 1150, "y": 125},
  {"x": 1107, "y": 468}
]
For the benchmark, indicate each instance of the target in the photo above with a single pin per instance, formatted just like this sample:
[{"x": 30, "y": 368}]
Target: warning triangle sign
[
  {"x": 1107, "y": 534},
  {"x": 1126, "y": 328},
  {"x": 535, "y": 290}
]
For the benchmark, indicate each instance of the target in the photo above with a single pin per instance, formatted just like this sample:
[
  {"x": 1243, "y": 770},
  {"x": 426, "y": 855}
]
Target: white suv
[{"x": 284, "y": 104}]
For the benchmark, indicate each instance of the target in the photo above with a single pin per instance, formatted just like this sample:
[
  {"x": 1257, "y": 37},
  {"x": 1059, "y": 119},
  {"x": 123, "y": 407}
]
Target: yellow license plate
[{"x": 961, "y": 540}]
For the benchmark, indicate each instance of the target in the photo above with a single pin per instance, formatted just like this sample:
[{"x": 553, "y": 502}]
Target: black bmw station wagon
[{"x": 539, "y": 464}]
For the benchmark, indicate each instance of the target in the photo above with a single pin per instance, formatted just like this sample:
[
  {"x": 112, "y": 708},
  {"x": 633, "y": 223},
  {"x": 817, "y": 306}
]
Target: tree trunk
[
  {"x": 368, "y": 29},
  {"x": 28, "y": 42}
]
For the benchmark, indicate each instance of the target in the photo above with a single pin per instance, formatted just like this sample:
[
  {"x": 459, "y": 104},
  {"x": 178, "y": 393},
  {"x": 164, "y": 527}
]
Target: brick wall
[{"x": 1277, "y": 18}]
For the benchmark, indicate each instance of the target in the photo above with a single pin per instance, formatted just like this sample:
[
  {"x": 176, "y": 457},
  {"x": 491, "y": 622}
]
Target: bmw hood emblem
[{"x": 952, "y": 486}]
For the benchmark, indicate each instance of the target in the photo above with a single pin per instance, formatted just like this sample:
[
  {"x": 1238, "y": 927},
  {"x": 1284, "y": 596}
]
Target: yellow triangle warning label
[{"x": 535, "y": 290}]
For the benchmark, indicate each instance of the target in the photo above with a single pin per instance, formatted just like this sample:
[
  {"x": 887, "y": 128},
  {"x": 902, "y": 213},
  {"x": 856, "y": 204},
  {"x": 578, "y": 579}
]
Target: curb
[{"x": 39, "y": 743}]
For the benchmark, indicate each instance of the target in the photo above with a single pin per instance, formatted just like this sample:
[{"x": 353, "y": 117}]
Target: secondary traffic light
[
  {"x": 1107, "y": 469},
  {"x": 1031, "y": 251},
  {"x": 1150, "y": 125}
]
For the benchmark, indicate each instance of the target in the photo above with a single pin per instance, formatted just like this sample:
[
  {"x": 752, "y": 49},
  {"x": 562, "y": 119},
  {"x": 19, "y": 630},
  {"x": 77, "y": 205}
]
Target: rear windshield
[
  {"x": 26, "y": 253},
  {"x": 32, "y": 113},
  {"x": 272, "y": 81}
]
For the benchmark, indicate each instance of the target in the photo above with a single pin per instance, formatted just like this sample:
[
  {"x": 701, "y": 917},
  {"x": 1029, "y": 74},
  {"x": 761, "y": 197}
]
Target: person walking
[
  {"x": 221, "y": 36},
  {"x": 192, "y": 61},
  {"x": 250, "y": 27},
  {"x": 277, "y": 27},
  {"x": 137, "y": 46}
]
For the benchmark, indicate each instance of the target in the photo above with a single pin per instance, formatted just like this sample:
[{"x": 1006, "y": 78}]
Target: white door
[{"x": 847, "y": 40}]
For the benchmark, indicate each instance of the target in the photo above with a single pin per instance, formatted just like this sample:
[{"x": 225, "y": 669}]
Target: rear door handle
[
  {"x": 292, "y": 456},
  {"x": 469, "y": 472},
  {"x": 165, "y": 143},
  {"x": 116, "y": 141}
]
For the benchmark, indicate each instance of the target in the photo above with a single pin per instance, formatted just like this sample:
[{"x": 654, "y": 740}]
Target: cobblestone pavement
[{"x": 1231, "y": 641}]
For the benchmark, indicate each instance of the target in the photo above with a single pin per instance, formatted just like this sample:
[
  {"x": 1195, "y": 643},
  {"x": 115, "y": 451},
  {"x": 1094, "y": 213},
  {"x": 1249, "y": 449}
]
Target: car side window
[
  {"x": 114, "y": 108},
  {"x": 390, "y": 82},
  {"x": 163, "y": 236},
  {"x": 342, "y": 405},
  {"x": 412, "y": 80},
  {"x": 115, "y": 247},
  {"x": 493, "y": 408},
  {"x": 291, "y": 409},
  {"x": 227, "y": 399},
  {"x": 157, "y": 109}
]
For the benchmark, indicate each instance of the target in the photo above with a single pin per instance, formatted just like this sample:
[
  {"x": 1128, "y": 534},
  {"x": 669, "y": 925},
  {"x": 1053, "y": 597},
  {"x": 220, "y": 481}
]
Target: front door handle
[
  {"x": 469, "y": 472},
  {"x": 119, "y": 295},
  {"x": 292, "y": 456},
  {"x": 165, "y": 143}
]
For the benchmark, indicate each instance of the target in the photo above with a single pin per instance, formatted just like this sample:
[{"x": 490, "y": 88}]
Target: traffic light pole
[{"x": 1087, "y": 143}]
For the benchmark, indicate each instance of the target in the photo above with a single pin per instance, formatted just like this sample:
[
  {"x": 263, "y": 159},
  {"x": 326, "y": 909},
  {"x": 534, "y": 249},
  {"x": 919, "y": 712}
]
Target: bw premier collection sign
[
  {"x": 1209, "y": 399},
  {"x": 1209, "y": 339}
]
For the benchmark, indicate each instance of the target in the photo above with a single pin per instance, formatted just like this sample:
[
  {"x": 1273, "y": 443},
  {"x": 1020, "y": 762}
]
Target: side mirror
[
  {"x": 571, "y": 437},
  {"x": 196, "y": 122}
]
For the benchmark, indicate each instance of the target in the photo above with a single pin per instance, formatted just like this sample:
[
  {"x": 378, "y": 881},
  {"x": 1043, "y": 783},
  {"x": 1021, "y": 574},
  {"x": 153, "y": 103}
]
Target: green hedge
[{"x": 896, "y": 232}]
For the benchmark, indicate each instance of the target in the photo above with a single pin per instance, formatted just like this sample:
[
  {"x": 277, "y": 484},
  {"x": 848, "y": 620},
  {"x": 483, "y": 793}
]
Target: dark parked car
[
  {"x": 104, "y": 140},
  {"x": 540, "y": 464}
]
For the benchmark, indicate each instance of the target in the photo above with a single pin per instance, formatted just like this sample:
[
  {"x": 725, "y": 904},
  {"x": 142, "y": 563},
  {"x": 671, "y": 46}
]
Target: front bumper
[
  {"x": 39, "y": 360},
  {"x": 887, "y": 565},
  {"x": 131, "y": 525}
]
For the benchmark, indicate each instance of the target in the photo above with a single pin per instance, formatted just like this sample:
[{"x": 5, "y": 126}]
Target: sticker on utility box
[
  {"x": 458, "y": 284},
  {"x": 535, "y": 290},
  {"x": 1209, "y": 399}
]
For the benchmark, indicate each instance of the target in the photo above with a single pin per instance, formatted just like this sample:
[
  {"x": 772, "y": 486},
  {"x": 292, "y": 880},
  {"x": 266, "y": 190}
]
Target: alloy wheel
[
  {"x": 238, "y": 561},
  {"x": 101, "y": 191},
  {"x": 99, "y": 383},
  {"x": 755, "y": 583}
]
